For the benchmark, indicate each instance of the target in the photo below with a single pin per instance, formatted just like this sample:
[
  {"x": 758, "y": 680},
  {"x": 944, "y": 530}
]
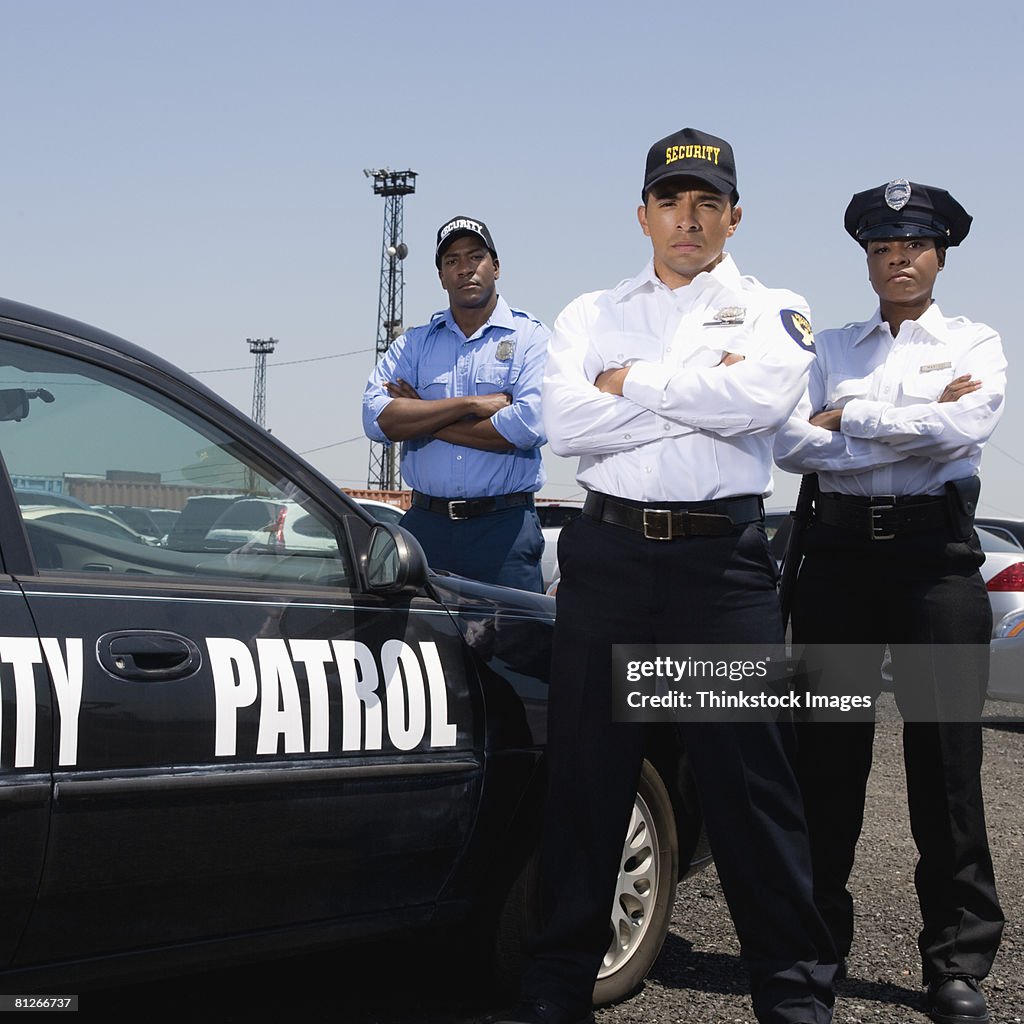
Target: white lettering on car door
[
  {"x": 234, "y": 683},
  {"x": 280, "y": 706},
  {"x": 442, "y": 732},
  {"x": 360, "y": 704},
  {"x": 23, "y": 654},
  {"x": 414, "y": 686},
  {"x": 67, "y": 683},
  {"x": 314, "y": 656},
  {"x": 406, "y": 696}
]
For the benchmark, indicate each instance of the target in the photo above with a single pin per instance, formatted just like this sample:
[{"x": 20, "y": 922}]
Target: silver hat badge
[{"x": 897, "y": 193}]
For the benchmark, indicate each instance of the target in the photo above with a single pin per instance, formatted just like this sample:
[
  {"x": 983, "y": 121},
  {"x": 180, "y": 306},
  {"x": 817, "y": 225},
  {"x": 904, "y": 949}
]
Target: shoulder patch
[{"x": 798, "y": 327}]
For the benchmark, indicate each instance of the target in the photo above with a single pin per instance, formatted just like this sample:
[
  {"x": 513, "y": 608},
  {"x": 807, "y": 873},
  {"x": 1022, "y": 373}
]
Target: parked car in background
[
  {"x": 29, "y": 497},
  {"x": 138, "y": 518},
  {"x": 553, "y": 515},
  {"x": 272, "y": 524},
  {"x": 1009, "y": 529},
  {"x": 1003, "y": 573},
  {"x": 278, "y": 730},
  {"x": 382, "y": 511},
  {"x": 91, "y": 520}
]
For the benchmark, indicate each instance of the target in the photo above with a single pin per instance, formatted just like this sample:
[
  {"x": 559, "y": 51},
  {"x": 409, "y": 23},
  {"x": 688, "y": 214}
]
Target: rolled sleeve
[
  {"x": 521, "y": 423},
  {"x": 392, "y": 365}
]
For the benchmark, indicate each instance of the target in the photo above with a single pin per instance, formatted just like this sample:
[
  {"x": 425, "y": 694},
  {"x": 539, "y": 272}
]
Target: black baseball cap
[
  {"x": 689, "y": 153},
  {"x": 456, "y": 228},
  {"x": 905, "y": 209}
]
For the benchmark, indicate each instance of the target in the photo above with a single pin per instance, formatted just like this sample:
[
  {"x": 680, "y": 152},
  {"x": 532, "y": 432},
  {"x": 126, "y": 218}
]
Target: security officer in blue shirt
[{"x": 462, "y": 394}]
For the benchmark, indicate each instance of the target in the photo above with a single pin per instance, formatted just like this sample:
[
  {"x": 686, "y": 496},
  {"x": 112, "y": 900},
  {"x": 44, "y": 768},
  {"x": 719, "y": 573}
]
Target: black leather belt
[
  {"x": 671, "y": 520},
  {"x": 881, "y": 516},
  {"x": 469, "y": 508}
]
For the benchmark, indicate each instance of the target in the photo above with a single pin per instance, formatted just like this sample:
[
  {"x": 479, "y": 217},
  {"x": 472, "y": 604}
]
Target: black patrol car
[{"x": 273, "y": 727}]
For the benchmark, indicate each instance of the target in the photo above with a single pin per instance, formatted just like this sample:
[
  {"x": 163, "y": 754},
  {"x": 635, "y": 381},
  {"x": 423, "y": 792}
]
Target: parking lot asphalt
[{"x": 698, "y": 978}]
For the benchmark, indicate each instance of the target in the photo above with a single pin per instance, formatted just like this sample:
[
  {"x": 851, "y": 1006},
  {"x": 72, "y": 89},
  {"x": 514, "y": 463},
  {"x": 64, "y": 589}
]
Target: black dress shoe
[
  {"x": 956, "y": 999},
  {"x": 539, "y": 1011}
]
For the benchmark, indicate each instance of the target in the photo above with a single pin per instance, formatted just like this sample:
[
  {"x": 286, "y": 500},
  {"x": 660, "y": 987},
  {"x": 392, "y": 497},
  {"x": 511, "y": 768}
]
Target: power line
[
  {"x": 1002, "y": 451},
  {"x": 288, "y": 362},
  {"x": 334, "y": 444}
]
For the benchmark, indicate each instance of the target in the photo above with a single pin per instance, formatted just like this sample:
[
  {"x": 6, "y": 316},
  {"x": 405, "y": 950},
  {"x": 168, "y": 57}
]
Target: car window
[
  {"x": 88, "y": 437},
  {"x": 990, "y": 541}
]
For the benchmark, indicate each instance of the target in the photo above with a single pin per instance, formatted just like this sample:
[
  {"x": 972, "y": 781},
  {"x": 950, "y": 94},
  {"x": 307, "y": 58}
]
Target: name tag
[{"x": 929, "y": 367}]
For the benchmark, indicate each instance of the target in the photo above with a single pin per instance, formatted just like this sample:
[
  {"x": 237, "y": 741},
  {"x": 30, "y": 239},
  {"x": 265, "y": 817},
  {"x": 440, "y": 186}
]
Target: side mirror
[
  {"x": 395, "y": 563},
  {"x": 13, "y": 404}
]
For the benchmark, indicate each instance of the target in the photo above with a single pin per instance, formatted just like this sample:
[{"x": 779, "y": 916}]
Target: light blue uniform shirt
[{"x": 507, "y": 354}]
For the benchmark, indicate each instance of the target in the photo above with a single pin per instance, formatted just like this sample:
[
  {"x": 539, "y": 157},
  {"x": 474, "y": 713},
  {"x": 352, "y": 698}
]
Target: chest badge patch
[
  {"x": 932, "y": 367},
  {"x": 798, "y": 327},
  {"x": 506, "y": 349},
  {"x": 727, "y": 316}
]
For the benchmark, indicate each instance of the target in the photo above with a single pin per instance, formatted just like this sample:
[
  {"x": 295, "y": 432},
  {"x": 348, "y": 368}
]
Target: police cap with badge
[
  {"x": 905, "y": 209},
  {"x": 458, "y": 227},
  {"x": 689, "y": 153}
]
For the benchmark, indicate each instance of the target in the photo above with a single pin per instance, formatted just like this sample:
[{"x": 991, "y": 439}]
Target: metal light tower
[
  {"x": 384, "y": 471},
  {"x": 260, "y": 348}
]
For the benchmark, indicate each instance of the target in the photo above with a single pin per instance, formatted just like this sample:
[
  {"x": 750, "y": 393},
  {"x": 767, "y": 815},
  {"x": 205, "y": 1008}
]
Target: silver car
[{"x": 1003, "y": 573}]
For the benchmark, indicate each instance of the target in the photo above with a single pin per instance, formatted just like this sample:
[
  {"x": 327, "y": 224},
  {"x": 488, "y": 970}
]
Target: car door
[{"x": 247, "y": 739}]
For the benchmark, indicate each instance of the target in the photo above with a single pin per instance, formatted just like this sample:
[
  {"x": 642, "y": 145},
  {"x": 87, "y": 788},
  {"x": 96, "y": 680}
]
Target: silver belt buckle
[
  {"x": 453, "y": 512},
  {"x": 880, "y": 503},
  {"x": 652, "y": 523}
]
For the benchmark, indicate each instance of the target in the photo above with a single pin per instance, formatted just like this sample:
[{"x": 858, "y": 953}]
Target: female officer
[{"x": 898, "y": 409}]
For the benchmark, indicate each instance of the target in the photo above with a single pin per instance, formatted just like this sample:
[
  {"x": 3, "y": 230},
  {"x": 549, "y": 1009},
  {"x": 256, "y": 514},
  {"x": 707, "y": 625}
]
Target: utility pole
[
  {"x": 260, "y": 348},
  {"x": 384, "y": 473}
]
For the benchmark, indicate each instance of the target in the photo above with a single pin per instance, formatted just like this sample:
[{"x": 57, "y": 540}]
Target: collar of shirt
[
  {"x": 501, "y": 316},
  {"x": 724, "y": 275},
  {"x": 931, "y": 320}
]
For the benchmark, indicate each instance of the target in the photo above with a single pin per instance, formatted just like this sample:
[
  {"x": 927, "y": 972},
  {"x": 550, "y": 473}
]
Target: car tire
[{"x": 641, "y": 909}]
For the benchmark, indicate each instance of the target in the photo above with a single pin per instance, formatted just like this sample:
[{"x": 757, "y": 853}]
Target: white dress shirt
[
  {"x": 685, "y": 427},
  {"x": 895, "y": 436}
]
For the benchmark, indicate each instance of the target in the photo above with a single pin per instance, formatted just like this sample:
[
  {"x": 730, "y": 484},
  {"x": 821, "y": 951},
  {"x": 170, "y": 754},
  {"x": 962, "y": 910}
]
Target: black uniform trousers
[
  {"x": 922, "y": 595},
  {"x": 618, "y": 587}
]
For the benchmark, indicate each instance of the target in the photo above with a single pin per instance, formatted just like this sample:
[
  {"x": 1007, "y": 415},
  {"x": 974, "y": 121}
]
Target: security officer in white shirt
[
  {"x": 898, "y": 409},
  {"x": 668, "y": 388}
]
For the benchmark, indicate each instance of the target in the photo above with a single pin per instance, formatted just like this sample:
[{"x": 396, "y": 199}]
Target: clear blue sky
[{"x": 189, "y": 174}]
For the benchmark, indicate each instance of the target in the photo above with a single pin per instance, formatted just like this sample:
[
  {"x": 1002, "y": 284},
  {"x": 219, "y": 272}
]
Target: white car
[
  {"x": 89, "y": 520},
  {"x": 553, "y": 515},
  {"x": 382, "y": 511},
  {"x": 270, "y": 522}
]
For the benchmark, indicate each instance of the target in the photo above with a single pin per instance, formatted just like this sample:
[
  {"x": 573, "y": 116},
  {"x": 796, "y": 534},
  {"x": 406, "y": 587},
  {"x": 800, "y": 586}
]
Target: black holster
[{"x": 962, "y": 503}]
